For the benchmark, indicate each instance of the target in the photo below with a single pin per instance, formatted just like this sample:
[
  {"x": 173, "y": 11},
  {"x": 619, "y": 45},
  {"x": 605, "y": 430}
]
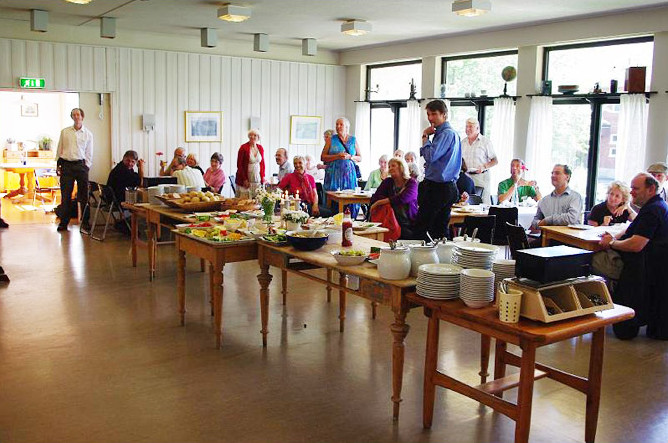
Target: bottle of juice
[{"x": 347, "y": 229}]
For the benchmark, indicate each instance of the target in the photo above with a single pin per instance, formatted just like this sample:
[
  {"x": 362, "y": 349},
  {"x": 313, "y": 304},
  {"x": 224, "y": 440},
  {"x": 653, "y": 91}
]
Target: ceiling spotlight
[
  {"x": 355, "y": 27},
  {"x": 79, "y": 2},
  {"x": 232, "y": 13},
  {"x": 471, "y": 8}
]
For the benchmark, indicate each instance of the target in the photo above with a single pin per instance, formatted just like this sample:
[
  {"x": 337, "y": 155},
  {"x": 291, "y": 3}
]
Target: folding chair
[
  {"x": 105, "y": 204},
  {"x": 232, "y": 185},
  {"x": 51, "y": 190}
]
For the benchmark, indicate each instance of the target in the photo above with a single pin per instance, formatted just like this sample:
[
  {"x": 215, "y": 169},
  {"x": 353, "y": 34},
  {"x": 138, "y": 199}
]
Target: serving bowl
[
  {"x": 307, "y": 240},
  {"x": 348, "y": 260}
]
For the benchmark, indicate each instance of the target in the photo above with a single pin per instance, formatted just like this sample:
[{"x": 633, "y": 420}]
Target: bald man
[{"x": 284, "y": 166}]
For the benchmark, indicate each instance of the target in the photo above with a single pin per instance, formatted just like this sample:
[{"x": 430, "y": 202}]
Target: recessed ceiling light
[
  {"x": 355, "y": 27},
  {"x": 232, "y": 13},
  {"x": 471, "y": 8},
  {"x": 79, "y": 2}
]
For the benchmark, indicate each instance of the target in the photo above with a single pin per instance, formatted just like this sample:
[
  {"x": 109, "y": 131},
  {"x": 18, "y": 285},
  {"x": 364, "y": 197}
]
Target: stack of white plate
[
  {"x": 503, "y": 269},
  {"x": 477, "y": 255},
  {"x": 438, "y": 281},
  {"x": 476, "y": 287}
]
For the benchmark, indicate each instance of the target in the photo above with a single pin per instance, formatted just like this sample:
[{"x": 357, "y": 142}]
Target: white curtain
[
  {"x": 631, "y": 137},
  {"x": 363, "y": 135},
  {"x": 503, "y": 139},
  {"x": 413, "y": 127},
  {"x": 539, "y": 143}
]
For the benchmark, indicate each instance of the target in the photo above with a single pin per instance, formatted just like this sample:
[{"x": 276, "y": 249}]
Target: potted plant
[
  {"x": 45, "y": 144},
  {"x": 294, "y": 219}
]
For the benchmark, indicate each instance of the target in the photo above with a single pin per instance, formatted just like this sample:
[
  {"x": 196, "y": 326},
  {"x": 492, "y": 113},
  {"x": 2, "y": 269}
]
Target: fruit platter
[{"x": 212, "y": 233}]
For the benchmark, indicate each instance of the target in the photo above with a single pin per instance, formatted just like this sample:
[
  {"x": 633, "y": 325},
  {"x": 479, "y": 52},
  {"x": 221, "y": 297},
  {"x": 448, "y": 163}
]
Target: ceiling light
[
  {"x": 471, "y": 8},
  {"x": 355, "y": 27},
  {"x": 232, "y": 13},
  {"x": 79, "y": 2}
]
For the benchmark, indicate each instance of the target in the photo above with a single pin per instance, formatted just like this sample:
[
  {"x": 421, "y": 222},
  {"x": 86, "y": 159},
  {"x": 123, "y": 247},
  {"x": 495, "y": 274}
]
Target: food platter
[{"x": 363, "y": 226}]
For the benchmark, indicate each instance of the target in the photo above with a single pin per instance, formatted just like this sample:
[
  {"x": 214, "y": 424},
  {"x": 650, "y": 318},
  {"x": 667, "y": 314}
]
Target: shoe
[
  {"x": 3, "y": 224},
  {"x": 61, "y": 228}
]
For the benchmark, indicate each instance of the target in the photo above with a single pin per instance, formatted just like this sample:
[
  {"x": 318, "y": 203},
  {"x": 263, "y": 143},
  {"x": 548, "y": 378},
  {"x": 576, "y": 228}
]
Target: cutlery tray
[{"x": 562, "y": 300}]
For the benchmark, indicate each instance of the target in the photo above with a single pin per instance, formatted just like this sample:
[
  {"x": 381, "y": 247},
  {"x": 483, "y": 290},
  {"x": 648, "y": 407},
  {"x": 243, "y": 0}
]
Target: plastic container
[{"x": 510, "y": 305}]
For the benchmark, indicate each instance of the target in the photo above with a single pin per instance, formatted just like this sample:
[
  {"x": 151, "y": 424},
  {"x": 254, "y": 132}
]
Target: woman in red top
[
  {"x": 250, "y": 166},
  {"x": 302, "y": 182}
]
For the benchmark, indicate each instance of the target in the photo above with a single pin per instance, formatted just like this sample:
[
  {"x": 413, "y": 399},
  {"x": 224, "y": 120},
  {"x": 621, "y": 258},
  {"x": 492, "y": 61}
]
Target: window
[
  {"x": 392, "y": 81},
  {"x": 585, "y": 128}
]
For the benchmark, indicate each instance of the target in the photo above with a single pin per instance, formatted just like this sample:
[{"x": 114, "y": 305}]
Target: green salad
[
  {"x": 352, "y": 253},
  {"x": 275, "y": 238}
]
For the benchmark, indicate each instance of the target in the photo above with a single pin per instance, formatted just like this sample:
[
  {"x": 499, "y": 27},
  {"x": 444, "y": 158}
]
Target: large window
[
  {"x": 585, "y": 126},
  {"x": 393, "y": 81}
]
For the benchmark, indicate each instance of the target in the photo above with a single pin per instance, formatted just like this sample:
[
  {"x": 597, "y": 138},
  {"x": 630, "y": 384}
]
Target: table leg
[
  {"x": 485, "y": 344},
  {"x": 329, "y": 288},
  {"x": 525, "y": 392},
  {"x": 218, "y": 302},
  {"x": 151, "y": 250},
  {"x": 211, "y": 287},
  {"x": 202, "y": 265},
  {"x": 594, "y": 384},
  {"x": 545, "y": 241},
  {"x": 343, "y": 280},
  {"x": 264, "y": 278},
  {"x": 399, "y": 330},
  {"x": 499, "y": 364},
  {"x": 133, "y": 236},
  {"x": 374, "y": 308},
  {"x": 430, "y": 366},
  {"x": 284, "y": 285},
  {"x": 181, "y": 283},
  {"x": 341, "y": 205}
]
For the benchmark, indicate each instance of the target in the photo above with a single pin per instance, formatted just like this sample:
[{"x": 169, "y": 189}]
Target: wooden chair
[{"x": 517, "y": 238}]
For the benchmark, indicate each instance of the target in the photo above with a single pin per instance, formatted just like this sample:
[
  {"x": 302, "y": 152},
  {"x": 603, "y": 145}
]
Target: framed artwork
[
  {"x": 30, "y": 110},
  {"x": 305, "y": 130},
  {"x": 204, "y": 126}
]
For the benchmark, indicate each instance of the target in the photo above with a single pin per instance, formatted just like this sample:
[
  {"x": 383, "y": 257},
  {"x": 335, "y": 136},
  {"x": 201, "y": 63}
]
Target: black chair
[
  {"x": 479, "y": 190},
  {"x": 232, "y": 185},
  {"x": 585, "y": 218},
  {"x": 102, "y": 200},
  {"x": 475, "y": 199},
  {"x": 494, "y": 199},
  {"x": 517, "y": 238},
  {"x": 484, "y": 224},
  {"x": 503, "y": 216}
]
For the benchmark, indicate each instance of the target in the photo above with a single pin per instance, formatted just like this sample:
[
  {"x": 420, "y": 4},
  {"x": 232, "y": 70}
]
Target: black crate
[{"x": 554, "y": 263}]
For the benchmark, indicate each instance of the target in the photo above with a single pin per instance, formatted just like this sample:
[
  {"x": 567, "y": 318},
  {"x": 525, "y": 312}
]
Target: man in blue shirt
[{"x": 443, "y": 160}]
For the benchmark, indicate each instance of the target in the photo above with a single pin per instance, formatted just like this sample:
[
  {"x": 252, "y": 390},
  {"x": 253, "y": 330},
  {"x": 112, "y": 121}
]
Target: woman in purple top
[{"x": 400, "y": 191}]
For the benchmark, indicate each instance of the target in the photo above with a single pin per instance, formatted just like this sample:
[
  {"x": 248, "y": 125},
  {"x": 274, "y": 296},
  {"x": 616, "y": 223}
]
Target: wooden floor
[{"x": 90, "y": 351}]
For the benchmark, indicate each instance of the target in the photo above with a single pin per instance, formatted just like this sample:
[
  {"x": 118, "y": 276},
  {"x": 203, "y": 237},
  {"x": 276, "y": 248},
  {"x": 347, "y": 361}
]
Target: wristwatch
[{"x": 612, "y": 242}]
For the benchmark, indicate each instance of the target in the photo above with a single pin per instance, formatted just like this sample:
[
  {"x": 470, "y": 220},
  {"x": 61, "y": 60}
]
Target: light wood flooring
[{"x": 91, "y": 351}]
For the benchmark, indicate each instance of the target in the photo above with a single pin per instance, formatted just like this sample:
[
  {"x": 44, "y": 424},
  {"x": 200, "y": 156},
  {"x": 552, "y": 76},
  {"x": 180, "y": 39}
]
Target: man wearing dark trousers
[
  {"x": 443, "y": 160},
  {"x": 74, "y": 158}
]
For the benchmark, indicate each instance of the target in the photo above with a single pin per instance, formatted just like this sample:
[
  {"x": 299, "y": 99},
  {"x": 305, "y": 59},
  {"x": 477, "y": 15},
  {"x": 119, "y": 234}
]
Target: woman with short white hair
[
  {"x": 377, "y": 175},
  {"x": 250, "y": 165}
]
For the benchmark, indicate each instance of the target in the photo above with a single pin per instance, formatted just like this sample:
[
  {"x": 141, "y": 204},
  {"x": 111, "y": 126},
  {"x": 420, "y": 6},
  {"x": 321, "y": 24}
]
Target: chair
[
  {"x": 479, "y": 190},
  {"x": 233, "y": 185},
  {"x": 585, "y": 217},
  {"x": 51, "y": 190},
  {"x": 475, "y": 199},
  {"x": 102, "y": 200},
  {"x": 485, "y": 225},
  {"x": 494, "y": 199},
  {"x": 517, "y": 238},
  {"x": 503, "y": 216}
]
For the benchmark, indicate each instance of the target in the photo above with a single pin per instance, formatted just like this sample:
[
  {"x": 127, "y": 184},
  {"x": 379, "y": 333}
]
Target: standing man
[
  {"x": 660, "y": 172},
  {"x": 284, "y": 166},
  {"x": 443, "y": 160},
  {"x": 479, "y": 155},
  {"x": 74, "y": 159}
]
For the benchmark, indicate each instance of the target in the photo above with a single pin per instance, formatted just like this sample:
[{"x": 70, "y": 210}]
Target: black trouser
[
  {"x": 434, "y": 201},
  {"x": 71, "y": 171}
]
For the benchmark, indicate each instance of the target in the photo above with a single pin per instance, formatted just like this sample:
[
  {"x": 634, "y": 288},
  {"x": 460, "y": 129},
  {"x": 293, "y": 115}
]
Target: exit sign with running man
[{"x": 31, "y": 83}]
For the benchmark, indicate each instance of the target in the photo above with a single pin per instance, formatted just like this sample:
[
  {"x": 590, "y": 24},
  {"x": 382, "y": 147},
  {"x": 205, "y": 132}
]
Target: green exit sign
[{"x": 32, "y": 83}]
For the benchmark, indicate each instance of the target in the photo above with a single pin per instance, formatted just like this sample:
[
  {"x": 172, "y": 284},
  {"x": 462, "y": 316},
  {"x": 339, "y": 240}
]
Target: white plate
[{"x": 440, "y": 269}]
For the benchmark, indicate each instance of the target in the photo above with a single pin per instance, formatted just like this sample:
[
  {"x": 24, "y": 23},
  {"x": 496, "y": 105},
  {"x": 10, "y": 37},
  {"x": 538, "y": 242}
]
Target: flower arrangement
[
  {"x": 267, "y": 201},
  {"x": 295, "y": 216}
]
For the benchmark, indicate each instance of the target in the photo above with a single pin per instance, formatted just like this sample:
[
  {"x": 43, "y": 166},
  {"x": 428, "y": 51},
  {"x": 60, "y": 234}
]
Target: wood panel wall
[{"x": 167, "y": 83}]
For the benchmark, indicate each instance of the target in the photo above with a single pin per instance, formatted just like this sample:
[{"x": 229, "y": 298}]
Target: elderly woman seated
[
  {"x": 615, "y": 208},
  {"x": 302, "y": 183},
  {"x": 187, "y": 176},
  {"x": 377, "y": 175},
  {"x": 394, "y": 203}
]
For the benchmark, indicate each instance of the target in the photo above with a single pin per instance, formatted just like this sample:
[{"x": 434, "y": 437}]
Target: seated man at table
[
  {"x": 123, "y": 175},
  {"x": 561, "y": 207},
  {"x": 185, "y": 175},
  {"x": 284, "y": 166},
  {"x": 525, "y": 189},
  {"x": 178, "y": 153},
  {"x": 660, "y": 172}
]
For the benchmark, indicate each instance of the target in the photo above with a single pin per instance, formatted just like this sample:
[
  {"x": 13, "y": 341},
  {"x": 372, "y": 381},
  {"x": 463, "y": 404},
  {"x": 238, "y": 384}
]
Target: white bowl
[{"x": 348, "y": 260}]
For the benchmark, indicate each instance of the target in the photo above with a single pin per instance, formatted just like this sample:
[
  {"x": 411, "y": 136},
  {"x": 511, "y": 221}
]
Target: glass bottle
[{"x": 347, "y": 229}]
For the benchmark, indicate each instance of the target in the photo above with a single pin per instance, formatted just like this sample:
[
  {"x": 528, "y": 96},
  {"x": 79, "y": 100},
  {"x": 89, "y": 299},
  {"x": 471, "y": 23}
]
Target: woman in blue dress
[{"x": 340, "y": 155}]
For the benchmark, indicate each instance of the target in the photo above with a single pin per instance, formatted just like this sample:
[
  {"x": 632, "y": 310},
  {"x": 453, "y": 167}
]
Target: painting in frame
[
  {"x": 305, "y": 130},
  {"x": 204, "y": 126}
]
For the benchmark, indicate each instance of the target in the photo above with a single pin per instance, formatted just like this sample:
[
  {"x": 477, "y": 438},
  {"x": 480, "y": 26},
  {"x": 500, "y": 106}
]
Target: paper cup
[{"x": 510, "y": 304}]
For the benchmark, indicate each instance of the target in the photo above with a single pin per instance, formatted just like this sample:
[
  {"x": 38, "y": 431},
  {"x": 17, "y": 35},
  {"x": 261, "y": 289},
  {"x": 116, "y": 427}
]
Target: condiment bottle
[{"x": 347, "y": 229}]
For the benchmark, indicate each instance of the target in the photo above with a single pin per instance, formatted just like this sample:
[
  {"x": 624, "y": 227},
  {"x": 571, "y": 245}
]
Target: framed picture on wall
[
  {"x": 204, "y": 126},
  {"x": 305, "y": 130},
  {"x": 30, "y": 110}
]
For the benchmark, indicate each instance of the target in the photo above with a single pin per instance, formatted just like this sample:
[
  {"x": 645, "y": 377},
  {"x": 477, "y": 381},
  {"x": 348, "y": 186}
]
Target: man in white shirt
[
  {"x": 187, "y": 176},
  {"x": 74, "y": 158},
  {"x": 479, "y": 155},
  {"x": 284, "y": 166}
]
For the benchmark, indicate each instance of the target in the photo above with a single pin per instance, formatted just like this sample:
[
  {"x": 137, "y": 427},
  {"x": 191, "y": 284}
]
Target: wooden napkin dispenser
[
  {"x": 554, "y": 263},
  {"x": 635, "y": 79}
]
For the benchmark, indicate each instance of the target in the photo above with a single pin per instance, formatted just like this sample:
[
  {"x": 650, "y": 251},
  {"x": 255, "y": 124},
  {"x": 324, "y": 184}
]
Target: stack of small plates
[
  {"x": 476, "y": 287},
  {"x": 503, "y": 269},
  {"x": 477, "y": 255},
  {"x": 438, "y": 281}
]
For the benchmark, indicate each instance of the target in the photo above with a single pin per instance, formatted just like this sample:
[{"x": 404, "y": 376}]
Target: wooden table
[
  {"x": 580, "y": 238},
  {"x": 26, "y": 174},
  {"x": 528, "y": 335},
  {"x": 391, "y": 293},
  {"x": 348, "y": 198},
  {"x": 217, "y": 254}
]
